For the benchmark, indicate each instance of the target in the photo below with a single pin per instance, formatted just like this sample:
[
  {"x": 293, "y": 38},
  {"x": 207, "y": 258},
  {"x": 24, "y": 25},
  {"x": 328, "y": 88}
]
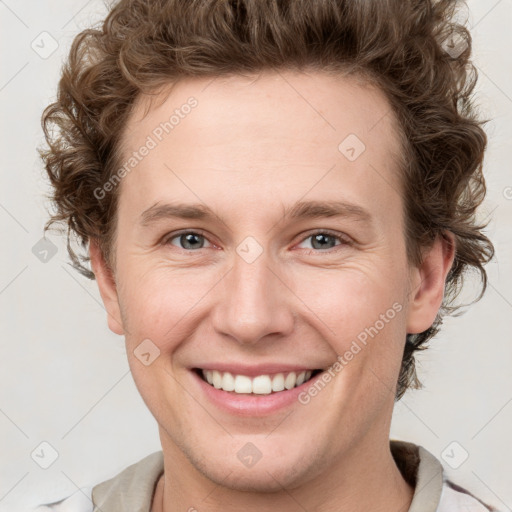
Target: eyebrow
[{"x": 300, "y": 210}]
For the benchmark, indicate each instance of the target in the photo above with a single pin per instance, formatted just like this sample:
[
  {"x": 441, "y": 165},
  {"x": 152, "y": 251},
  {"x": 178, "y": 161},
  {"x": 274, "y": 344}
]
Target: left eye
[{"x": 320, "y": 240}]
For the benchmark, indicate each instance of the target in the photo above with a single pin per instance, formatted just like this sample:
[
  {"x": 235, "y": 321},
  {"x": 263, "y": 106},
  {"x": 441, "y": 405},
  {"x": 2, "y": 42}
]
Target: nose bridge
[{"x": 253, "y": 302}]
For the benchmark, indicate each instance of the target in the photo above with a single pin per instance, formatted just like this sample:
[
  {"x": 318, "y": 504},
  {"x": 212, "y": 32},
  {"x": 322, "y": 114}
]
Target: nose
[{"x": 253, "y": 302}]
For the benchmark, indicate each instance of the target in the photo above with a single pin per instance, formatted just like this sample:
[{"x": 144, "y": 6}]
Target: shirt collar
[{"x": 422, "y": 471}]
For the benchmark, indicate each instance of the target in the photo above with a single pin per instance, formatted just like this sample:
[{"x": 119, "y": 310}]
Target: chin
[
  {"x": 268, "y": 475},
  {"x": 263, "y": 480}
]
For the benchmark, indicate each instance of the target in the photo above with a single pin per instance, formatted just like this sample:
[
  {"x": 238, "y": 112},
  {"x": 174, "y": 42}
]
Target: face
[{"x": 260, "y": 235}]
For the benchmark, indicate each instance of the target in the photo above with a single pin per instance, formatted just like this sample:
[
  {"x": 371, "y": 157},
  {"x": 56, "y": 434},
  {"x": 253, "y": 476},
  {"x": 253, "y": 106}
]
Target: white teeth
[
  {"x": 243, "y": 384},
  {"x": 260, "y": 385},
  {"x": 290, "y": 381},
  {"x": 217, "y": 379},
  {"x": 278, "y": 382},
  {"x": 228, "y": 382}
]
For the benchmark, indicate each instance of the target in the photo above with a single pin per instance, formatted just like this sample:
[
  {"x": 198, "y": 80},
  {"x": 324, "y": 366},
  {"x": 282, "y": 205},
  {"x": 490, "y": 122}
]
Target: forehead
[{"x": 281, "y": 130}]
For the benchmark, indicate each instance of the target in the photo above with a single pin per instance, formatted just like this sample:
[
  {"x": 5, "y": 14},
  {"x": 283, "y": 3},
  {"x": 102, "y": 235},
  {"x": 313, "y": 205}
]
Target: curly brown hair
[{"x": 399, "y": 46}]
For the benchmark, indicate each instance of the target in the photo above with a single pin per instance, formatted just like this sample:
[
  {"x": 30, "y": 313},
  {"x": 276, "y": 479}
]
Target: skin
[{"x": 253, "y": 146}]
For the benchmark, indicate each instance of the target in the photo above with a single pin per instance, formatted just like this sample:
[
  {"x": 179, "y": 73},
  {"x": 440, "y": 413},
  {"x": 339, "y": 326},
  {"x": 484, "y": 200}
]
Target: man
[{"x": 323, "y": 158}]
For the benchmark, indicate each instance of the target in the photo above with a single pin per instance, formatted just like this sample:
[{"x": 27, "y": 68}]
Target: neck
[{"x": 365, "y": 478}]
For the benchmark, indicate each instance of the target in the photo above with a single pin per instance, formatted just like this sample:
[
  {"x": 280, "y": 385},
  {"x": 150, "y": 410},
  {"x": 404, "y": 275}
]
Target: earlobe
[
  {"x": 107, "y": 287},
  {"x": 428, "y": 284}
]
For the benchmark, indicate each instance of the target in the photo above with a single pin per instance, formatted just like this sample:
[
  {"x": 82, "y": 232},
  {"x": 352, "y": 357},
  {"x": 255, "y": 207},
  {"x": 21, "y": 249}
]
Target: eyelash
[{"x": 343, "y": 239}]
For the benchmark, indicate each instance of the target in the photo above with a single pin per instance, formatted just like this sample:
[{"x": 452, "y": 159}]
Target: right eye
[{"x": 187, "y": 240}]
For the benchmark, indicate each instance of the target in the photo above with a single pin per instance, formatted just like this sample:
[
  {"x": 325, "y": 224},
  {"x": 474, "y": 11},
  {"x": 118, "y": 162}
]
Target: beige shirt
[{"x": 132, "y": 490}]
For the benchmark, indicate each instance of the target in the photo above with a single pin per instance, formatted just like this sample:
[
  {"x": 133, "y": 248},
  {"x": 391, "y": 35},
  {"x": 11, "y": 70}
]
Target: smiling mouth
[{"x": 259, "y": 385}]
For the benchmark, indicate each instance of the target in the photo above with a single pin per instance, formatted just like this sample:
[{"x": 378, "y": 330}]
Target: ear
[
  {"x": 428, "y": 282},
  {"x": 107, "y": 287}
]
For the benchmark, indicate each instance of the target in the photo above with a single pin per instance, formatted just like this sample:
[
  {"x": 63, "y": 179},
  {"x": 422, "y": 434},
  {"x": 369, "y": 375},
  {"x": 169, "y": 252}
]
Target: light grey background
[{"x": 64, "y": 376}]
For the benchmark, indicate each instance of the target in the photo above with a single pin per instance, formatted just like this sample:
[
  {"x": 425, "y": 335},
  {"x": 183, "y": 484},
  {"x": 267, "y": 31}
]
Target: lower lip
[{"x": 252, "y": 405}]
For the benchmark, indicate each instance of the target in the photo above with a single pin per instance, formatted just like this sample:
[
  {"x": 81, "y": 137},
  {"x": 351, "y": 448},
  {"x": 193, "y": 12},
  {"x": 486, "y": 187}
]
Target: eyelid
[
  {"x": 343, "y": 238},
  {"x": 170, "y": 236},
  {"x": 329, "y": 232}
]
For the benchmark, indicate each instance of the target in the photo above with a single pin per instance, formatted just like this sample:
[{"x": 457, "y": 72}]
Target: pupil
[
  {"x": 188, "y": 238},
  {"x": 319, "y": 238}
]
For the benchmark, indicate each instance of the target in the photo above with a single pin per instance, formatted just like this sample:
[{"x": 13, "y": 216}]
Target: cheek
[
  {"x": 362, "y": 315},
  {"x": 156, "y": 303},
  {"x": 350, "y": 300}
]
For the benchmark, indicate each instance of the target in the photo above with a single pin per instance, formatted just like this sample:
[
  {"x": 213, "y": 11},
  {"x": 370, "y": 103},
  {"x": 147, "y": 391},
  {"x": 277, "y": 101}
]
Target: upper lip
[{"x": 255, "y": 370}]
